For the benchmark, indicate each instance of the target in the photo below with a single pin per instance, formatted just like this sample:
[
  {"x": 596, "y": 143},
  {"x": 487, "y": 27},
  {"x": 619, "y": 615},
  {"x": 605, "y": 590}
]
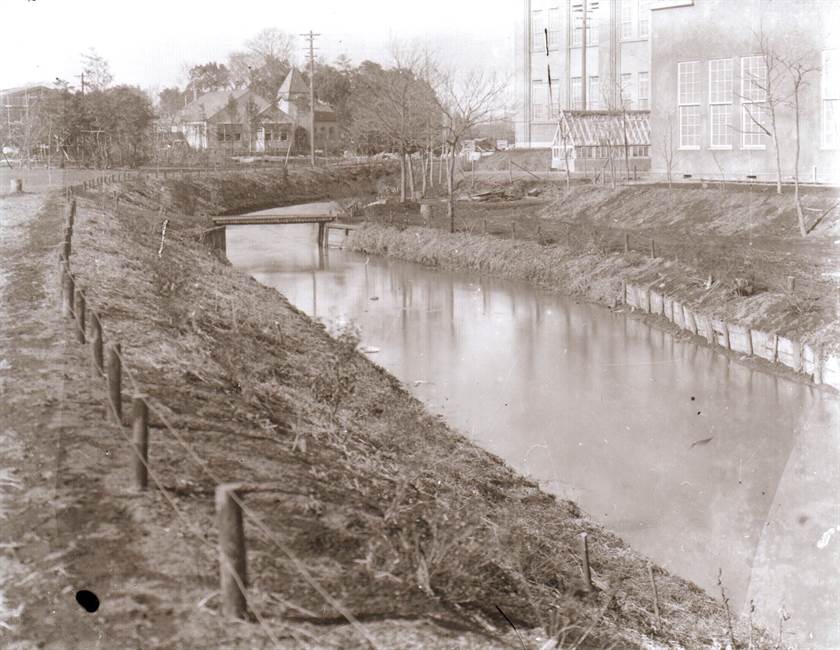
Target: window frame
[
  {"x": 749, "y": 99},
  {"x": 537, "y": 43},
  {"x": 643, "y": 101},
  {"x": 694, "y": 104},
  {"x": 719, "y": 98}
]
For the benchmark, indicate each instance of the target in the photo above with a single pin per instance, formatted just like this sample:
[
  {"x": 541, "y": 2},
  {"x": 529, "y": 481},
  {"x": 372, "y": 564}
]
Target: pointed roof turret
[{"x": 293, "y": 86}]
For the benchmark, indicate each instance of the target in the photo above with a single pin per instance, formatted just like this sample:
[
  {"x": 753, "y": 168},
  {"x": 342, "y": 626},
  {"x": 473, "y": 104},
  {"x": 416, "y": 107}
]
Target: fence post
[
  {"x": 67, "y": 288},
  {"x": 96, "y": 343},
  {"x": 232, "y": 558},
  {"x": 114, "y": 383},
  {"x": 584, "y": 551},
  {"x": 140, "y": 430},
  {"x": 79, "y": 309}
]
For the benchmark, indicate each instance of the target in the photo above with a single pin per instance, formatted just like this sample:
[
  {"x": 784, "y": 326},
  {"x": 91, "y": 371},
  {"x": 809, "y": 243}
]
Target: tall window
[
  {"x": 627, "y": 90},
  {"x": 688, "y": 86},
  {"x": 720, "y": 103},
  {"x": 539, "y": 103},
  {"x": 577, "y": 94},
  {"x": 644, "y": 18},
  {"x": 554, "y": 28},
  {"x": 644, "y": 91},
  {"x": 537, "y": 33},
  {"x": 577, "y": 9},
  {"x": 831, "y": 99},
  {"x": 627, "y": 18},
  {"x": 593, "y": 94},
  {"x": 753, "y": 97},
  {"x": 555, "y": 96}
]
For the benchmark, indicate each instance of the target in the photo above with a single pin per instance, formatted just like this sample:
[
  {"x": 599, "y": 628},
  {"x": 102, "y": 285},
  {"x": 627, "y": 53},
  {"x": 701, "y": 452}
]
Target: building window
[
  {"x": 720, "y": 103},
  {"x": 577, "y": 94},
  {"x": 720, "y": 119},
  {"x": 593, "y": 95},
  {"x": 720, "y": 81},
  {"x": 554, "y": 96},
  {"x": 539, "y": 108},
  {"x": 644, "y": 91},
  {"x": 626, "y": 90},
  {"x": 753, "y": 119},
  {"x": 554, "y": 28},
  {"x": 753, "y": 96},
  {"x": 537, "y": 33},
  {"x": 577, "y": 8},
  {"x": 626, "y": 18},
  {"x": 688, "y": 97},
  {"x": 831, "y": 99},
  {"x": 644, "y": 18}
]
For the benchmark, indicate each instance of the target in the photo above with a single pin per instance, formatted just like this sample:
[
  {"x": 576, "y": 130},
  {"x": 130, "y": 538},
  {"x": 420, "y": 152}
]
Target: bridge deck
[{"x": 255, "y": 219}]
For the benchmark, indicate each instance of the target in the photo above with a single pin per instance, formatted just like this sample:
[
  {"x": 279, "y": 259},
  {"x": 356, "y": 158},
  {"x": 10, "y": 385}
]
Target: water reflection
[{"x": 695, "y": 460}]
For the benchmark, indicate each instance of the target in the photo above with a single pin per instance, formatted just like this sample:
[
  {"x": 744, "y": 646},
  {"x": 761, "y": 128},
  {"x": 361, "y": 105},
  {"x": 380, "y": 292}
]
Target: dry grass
[{"x": 395, "y": 514}]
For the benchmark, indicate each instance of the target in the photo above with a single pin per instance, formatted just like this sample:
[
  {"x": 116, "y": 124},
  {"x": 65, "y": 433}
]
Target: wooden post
[
  {"x": 655, "y": 596},
  {"x": 79, "y": 309},
  {"x": 539, "y": 233},
  {"x": 510, "y": 171},
  {"x": 70, "y": 218},
  {"x": 67, "y": 290},
  {"x": 626, "y": 243},
  {"x": 96, "y": 344},
  {"x": 584, "y": 552},
  {"x": 232, "y": 557},
  {"x": 791, "y": 284},
  {"x": 114, "y": 383},
  {"x": 66, "y": 246},
  {"x": 513, "y": 229},
  {"x": 652, "y": 249},
  {"x": 140, "y": 442}
]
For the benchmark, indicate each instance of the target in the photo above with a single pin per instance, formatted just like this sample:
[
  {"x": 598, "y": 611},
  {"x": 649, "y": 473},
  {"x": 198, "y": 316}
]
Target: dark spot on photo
[{"x": 88, "y": 600}]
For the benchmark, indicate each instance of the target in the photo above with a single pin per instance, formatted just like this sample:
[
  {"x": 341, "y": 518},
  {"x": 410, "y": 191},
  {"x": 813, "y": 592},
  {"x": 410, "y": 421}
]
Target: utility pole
[{"x": 311, "y": 38}]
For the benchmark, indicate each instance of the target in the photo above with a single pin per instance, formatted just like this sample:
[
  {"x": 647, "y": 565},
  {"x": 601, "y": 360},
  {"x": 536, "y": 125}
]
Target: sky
[{"x": 150, "y": 43}]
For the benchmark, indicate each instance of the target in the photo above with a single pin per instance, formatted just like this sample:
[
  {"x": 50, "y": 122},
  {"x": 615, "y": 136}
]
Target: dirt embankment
[
  {"x": 423, "y": 539},
  {"x": 725, "y": 255}
]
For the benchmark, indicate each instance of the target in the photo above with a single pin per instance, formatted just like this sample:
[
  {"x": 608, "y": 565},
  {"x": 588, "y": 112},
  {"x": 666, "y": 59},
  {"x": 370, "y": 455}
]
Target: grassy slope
[
  {"x": 574, "y": 243},
  {"x": 418, "y": 532}
]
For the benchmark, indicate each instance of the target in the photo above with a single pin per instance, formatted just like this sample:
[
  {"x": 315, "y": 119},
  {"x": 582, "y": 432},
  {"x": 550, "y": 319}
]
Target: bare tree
[
  {"x": 96, "y": 70},
  {"x": 666, "y": 140},
  {"x": 799, "y": 69},
  {"x": 764, "y": 93},
  {"x": 465, "y": 101}
]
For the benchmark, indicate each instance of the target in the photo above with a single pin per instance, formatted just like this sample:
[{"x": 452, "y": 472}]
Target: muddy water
[{"x": 695, "y": 460}]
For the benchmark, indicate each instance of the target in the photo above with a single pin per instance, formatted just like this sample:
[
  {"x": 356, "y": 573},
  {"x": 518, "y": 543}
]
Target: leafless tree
[
  {"x": 465, "y": 101},
  {"x": 666, "y": 141},
  {"x": 96, "y": 70},
  {"x": 799, "y": 68},
  {"x": 765, "y": 93}
]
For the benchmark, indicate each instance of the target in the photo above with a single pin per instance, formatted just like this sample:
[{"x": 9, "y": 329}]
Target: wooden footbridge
[{"x": 326, "y": 222}]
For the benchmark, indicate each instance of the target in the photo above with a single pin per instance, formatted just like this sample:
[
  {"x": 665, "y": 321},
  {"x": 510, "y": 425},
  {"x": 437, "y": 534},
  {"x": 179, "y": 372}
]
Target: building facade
[
  {"x": 724, "y": 86},
  {"x": 579, "y": 55}
]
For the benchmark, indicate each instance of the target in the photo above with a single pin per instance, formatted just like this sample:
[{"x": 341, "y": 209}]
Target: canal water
[{"x": 697, "y": 461}]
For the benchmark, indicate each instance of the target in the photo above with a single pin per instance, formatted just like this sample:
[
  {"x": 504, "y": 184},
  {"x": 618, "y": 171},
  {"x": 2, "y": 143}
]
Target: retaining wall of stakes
[{"x": 804, "y": 358}]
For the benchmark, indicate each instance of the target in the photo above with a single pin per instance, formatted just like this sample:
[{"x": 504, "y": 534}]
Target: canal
[{"x": 697, "y": 461}]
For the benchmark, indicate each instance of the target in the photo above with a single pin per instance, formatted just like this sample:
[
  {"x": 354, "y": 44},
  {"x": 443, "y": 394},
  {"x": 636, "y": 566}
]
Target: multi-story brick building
[
  {"x": 561, "y": 65},
  {"x": 722, "y": 70}
]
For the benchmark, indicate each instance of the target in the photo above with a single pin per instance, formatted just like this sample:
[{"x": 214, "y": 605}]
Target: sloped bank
[
  {"x": 755, "y": 325},
  {"x": 423, "y": 536}
]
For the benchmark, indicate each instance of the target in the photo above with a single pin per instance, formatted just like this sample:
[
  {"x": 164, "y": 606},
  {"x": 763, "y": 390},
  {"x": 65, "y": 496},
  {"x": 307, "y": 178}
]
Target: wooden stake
[
  {"x": 584, "y": 552},
  {"x": 79, "y": 310},
  {"x": 67, "y": 289},
  {"x": 232, "y": 558},
  {"x": 626, "y": 243},
  {"x": 485, "y": 226},
  {"x": 513, "y": 229},
  {"x": 66, "y": 247},
  {"x": 140, "y": 442},
  {"x": 114, "y": 383},
  {"x": 655, "y": 596},
  {"x": 652, "y": 249},
  {"x": 96, "y": 344}
]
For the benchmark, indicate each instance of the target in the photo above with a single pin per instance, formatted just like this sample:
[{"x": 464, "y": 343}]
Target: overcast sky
[{"x": 148, "y": 42}]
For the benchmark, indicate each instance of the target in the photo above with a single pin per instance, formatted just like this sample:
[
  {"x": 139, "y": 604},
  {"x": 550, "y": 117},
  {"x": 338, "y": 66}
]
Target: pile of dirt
[{"x": 418, "y": 536}]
